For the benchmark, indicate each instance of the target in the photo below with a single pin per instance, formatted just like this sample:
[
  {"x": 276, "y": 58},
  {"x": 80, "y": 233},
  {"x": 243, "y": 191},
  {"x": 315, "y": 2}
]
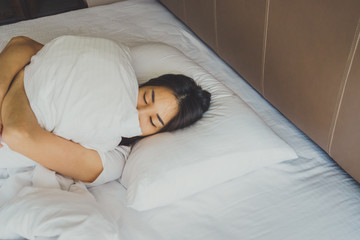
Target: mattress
[{"x": 310, "y": 197}]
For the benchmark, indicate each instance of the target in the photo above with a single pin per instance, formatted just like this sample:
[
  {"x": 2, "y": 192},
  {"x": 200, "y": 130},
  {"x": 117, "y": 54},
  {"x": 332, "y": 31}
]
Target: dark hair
[{"x": 193, "y": 101}]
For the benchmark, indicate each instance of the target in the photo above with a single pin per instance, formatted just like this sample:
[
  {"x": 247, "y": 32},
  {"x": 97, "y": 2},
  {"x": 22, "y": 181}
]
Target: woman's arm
[
  {"x": 13, "y": 58},
  {"x": 24, "y": 135}
]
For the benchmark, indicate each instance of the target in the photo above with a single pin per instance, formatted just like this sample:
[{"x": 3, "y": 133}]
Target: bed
[{"x": 308, "y": 197}]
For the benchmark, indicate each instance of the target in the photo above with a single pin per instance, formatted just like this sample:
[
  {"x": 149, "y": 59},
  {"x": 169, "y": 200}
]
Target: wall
[{"x": 302, "y": 55}]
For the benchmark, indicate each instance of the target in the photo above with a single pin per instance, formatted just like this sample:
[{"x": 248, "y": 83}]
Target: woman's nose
[{"x": 144, "y": 109}]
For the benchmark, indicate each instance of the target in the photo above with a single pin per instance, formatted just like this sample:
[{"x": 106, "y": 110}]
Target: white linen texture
[
  {"x": 84, "y": 89},
  {"x": 305, "y": 198},
  {"x": 230, "y": 140},
  {"x": 40, "y": 203}
]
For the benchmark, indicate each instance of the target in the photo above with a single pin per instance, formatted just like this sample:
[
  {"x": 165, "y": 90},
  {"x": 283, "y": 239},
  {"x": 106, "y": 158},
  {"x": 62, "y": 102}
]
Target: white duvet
[
  {"x": 306, "y": 198},
  {"x": 83, "y": 89},
  {"x": 38, "y": 202}
]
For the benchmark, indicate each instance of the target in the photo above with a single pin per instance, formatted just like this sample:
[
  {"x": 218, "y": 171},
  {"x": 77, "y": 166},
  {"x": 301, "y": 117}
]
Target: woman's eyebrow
[
  {"x": 161, "y": 121},
  {"x": 153, "y": 100}
]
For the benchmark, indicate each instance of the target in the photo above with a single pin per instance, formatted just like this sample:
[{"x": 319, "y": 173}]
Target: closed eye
[
  {"x": 145, "y": 98},
  {"x": 151, "y": 121}
]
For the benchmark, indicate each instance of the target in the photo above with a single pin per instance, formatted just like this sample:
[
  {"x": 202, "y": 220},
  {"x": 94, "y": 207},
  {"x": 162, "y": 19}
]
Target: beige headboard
[{"x": 302, "y": 55}]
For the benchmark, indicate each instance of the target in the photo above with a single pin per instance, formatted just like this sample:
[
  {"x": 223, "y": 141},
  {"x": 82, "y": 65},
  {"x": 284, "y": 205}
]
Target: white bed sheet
[{"x": 306, "y": 198}]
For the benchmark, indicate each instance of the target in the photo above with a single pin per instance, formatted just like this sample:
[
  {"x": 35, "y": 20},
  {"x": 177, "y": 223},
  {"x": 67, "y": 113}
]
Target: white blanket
[
  {"x": 38, "y": 202},
  {"x": 83, "y": 89},
  {"x": 306, "y": 198}
]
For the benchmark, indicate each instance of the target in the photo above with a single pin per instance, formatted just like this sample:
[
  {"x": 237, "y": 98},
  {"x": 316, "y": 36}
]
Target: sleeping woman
[{"x": 166, "y": 103}]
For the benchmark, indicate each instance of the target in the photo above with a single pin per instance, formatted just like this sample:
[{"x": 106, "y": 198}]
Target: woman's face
[{"x": 156, "y": 107}]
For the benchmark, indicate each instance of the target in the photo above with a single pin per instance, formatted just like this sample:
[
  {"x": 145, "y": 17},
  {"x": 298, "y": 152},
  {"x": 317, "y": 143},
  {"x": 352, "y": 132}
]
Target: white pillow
[
  {"x": 84, "y": 89},
  {"x": 229, "y": 141}
]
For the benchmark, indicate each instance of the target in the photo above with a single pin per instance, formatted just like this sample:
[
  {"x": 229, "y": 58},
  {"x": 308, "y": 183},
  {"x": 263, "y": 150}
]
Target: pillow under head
[{"x": 229, "y": 141}]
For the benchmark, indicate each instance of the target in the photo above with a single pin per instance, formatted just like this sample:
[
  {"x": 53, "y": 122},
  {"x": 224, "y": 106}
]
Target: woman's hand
[
  {"x": 18, "y": 118},
  {"x": 16, "y": 111},
  {"x": 16, "y": 54},
  {"x": 20, "y": 129},
  {"x": 23, "y": 134}
]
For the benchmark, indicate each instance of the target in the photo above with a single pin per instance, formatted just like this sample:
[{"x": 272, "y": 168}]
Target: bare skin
[
  {"x": 156, "y": 107},
  {"x": 22, "y": 133}
]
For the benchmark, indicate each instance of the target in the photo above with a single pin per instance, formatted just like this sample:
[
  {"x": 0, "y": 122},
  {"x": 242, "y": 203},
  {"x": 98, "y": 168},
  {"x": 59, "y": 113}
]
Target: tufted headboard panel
[{"x": 303, "y": 56}]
